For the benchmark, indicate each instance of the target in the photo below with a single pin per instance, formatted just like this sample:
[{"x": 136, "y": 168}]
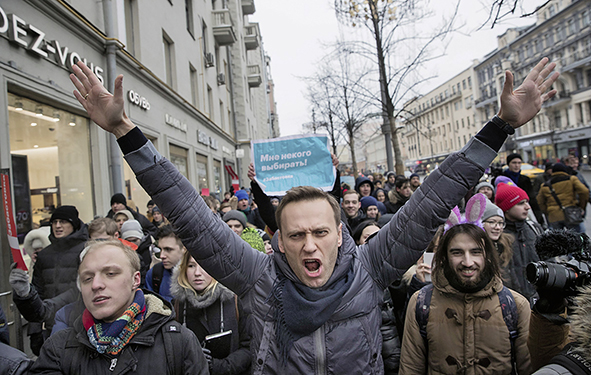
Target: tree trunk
[
  {"x": 353, "y": 156},
  {"x": 396, "y": 146}
]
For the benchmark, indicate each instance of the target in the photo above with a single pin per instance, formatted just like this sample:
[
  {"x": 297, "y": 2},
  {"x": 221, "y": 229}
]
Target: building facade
[{"x": 195, "y": 82}]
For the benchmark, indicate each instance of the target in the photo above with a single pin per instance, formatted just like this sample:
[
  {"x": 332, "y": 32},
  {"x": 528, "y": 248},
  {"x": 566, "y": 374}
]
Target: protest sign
[
  {"x": 297, "y": 160},
  {"x": 17, "y": 254}
]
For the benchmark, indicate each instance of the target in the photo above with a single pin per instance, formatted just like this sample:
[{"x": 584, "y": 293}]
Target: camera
[{"x": 566, "y": 277}]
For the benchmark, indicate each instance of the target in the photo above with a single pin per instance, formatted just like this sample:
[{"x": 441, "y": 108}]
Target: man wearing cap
[
  {"x": 252, "y": 214},
  {"x": 515, "y": 204},
  {"x": 415, "y": 182},
  {"x": 513, "y": 171},
  {"x": 364, "y": 186},
  {"x": 119, "y": 203},
  {"x": 390, "y": 181},
  {"x": 55, "y": 270},
  {"x": 236, "y": 220}
]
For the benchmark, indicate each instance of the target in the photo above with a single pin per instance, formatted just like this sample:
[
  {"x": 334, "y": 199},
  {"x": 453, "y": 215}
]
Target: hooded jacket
[
  {"x": 146, "y": 224},
  {"x": 466, "y": 333},
  {"x": 524, "y": 252},
  {"x": 202, "y": 315},
  {"x": 349, "y": 341},
  {"x": 394, "y": 201},
  {"x": 570, "y": 191},
  {"x": 70, "y": 352},
  {"x": 361, "y": 180}
]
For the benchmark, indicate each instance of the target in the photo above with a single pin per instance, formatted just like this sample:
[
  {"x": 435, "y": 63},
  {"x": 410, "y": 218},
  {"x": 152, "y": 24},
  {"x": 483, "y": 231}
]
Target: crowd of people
[{"x": 395, "y": 276}]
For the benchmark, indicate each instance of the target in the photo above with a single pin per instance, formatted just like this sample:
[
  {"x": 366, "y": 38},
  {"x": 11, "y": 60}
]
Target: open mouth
[
  {"x": 100, "y": 299},
  {"x": 312, "y": 266},
  {"x": 468, "y": 273}
]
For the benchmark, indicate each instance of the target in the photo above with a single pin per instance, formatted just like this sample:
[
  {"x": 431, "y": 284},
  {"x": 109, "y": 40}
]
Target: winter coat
[
  {"x": 143, "y": 251},
  {"x": 466, "y": 333},
  {"x": 70, "y": 352},
  {"x": 394, "y": 201},
  {"x": 349, "y": 342},
  {"x": 390, "y": 338},
  {"x": 525, "y": 183},
  {"x": 524, "y": 252},
  {"x": 13, "y": 361},
  {"x": 56, "y": 268},
  {"x": 570, "y": 191},
  {"x": 361, "y": 180},
  {"x": 203, "y": 317}
]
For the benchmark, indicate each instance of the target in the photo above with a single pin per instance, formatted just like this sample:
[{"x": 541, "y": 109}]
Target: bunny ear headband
[{"x": 474, "y": 211}]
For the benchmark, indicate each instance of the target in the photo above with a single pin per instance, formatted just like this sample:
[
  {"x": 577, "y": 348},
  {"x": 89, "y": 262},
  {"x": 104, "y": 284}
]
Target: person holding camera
[
  {"x": 559, "y": 195},
  {"x": 557, "y": 279}
]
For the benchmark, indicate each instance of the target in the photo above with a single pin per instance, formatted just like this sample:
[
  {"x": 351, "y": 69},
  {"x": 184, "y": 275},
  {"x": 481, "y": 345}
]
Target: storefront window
[
  {"x": 134, "y": 190},
  {"x": 202, "y": 174},
  {"x": 178, "y": 157},
  {"x": 53, "y": 147}
]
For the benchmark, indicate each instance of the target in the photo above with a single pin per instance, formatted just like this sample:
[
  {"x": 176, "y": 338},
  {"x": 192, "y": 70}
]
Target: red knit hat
[{"x": 508, "y": 196}]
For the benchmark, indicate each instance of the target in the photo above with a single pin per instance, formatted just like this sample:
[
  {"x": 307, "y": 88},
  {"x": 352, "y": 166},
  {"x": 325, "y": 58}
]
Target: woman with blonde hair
[{"x": 207, "y": 307}]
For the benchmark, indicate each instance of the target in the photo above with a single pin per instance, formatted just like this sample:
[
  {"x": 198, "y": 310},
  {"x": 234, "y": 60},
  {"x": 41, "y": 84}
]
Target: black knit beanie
[
  {"x": 69, "y": 213},
  {"x": 118, "y": 198}
]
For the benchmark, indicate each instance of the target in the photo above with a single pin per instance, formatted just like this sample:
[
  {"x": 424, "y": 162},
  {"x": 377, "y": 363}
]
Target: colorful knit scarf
[{"x": 112, "y": 337}]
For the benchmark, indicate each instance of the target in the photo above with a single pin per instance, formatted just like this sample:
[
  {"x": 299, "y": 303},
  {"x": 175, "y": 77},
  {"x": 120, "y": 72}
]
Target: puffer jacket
[
  {"x": 70, "y": 352},
  {"x": 204, "y": 318},
  {"x": 57, "y": 265},
  {"x": 524, "y": 252},
  {"x": 466, "y": 333},
  {"x": 570, "y": 191},
  {"x": 350, "y": 341}
]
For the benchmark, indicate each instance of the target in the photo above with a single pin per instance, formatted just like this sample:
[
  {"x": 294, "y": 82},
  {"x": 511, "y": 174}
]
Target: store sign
[
  {"x": 205, "y": 139},
  {"x": 524, "y": 144},
  {"x": 175, "y": 123},
  {"x": 540, "y": 142},
  {"x": 226, "y": 150},
  {"x": 138, "y": 100},
  {"x": 33, "y": 39}
]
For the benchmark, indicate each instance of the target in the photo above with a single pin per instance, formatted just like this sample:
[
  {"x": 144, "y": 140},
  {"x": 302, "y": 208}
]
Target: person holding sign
[
  {"x": 315, "y": 302},
  {"x": 208, "y": 308}
]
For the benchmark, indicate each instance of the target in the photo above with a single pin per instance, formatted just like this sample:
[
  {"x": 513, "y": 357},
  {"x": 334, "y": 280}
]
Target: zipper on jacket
[
  {"x": 320, "y": 350},
  {"x": 113, "y": 364}
]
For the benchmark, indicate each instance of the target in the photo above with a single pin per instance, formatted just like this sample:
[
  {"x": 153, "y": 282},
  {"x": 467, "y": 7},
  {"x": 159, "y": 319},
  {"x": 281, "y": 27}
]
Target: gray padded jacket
[{"x": 350, "y": 341}]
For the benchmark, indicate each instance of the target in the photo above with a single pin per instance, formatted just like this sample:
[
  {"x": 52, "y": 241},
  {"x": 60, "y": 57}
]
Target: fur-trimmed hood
[
  {"x": 580, "y": 322},
  {"x": 194, "y": 299}
]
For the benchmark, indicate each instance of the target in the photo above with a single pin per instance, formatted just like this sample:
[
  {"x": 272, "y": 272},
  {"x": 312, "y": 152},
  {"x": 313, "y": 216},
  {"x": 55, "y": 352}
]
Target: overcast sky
[{"x": 295, "y": 35}]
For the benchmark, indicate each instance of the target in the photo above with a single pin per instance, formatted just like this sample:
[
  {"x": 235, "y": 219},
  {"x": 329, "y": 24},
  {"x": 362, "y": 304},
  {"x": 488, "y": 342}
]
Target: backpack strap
[
  {"x": 422, "y": 310},
  {"x": 511, "y": 317},
  {"x": 173, "y": 347},
  {"x": 157, "y": 274}
]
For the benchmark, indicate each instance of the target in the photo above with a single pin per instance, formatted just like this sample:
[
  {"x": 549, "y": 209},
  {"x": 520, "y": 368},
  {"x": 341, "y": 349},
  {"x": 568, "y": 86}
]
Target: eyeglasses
[{"x": 500, "y": 224}]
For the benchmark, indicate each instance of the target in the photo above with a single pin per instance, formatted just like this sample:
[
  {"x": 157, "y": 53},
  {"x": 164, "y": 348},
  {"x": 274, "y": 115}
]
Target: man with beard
[{"x": 465, "y": 330}]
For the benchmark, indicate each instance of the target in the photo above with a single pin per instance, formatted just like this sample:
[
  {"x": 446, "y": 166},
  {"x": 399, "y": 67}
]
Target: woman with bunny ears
[{"x": 465, "y": 330}]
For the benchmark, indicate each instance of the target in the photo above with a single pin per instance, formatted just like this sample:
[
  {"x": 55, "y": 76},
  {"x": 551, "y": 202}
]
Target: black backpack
[
  {"x": 508, "y": 306},
  {"x": 157, "y": 273}
]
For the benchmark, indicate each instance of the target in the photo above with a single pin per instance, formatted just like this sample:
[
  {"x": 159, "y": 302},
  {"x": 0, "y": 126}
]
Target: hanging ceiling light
[
  {"x": 18, "y": 105},
  {"x": 38, "y": 111},
  {"x": 72, "y": 121},
  {"x": 33, "y": 124},
  {"x": 56, "y": 116}
]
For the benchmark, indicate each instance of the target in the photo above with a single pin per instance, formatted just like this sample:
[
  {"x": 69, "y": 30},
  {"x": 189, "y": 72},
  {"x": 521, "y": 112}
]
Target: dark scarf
[
  {"x": 513, "y": 175},
  {"x": 301, "y": 310}
]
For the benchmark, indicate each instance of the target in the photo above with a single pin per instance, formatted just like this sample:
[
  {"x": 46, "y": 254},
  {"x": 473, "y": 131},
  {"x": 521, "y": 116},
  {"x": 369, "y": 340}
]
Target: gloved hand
[
  {"x": 19, "y": 280},
  {"x": 208, "y": 357}
]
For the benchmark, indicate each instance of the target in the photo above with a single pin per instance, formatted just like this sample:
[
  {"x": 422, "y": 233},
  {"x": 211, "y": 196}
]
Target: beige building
[
  {"x": 439, "y": 122},
  {"x": 562, "y": 32}
]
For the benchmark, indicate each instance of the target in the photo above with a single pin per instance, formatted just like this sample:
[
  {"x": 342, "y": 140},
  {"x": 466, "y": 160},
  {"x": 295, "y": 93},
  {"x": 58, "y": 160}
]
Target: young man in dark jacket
[
  {"x": 315, "y": 303},
  {"x": 54, "y": 272},
  {"x": 513, "y": 171},
  {"x": 122, "y": 329}
]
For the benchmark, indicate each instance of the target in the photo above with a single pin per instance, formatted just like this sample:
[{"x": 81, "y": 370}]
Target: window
[
  {"x": 202, "y": 175},
  {"x": 51, "y": 159},
  {"x": 470, "y": 82},
  {"x": 194, "y": 85},
  {"x": 204, "y": 36},
  {"x": 217, "y": 178},
  {"x": 178, "y": 157},
  {"x": 459, "y": 90},
  {"x": 168, "y": 47},
  {"x": 468, "y": 120},
  {"x": 549, "y": 40},
  {"x": 552, "y": 10},
  {"x": 131, "y": 24},
  {"x": 464, "y": 84},
  {"x": 585, "y": 18},
  {"x": 572, "y": 27},
  {"x": 189, "y": 17},
  {"x": 539, "y": 46},
  {"x": 463, "y": 125},
  {"x": 530, "y": 50},
  {"x": 222, "y": 122}
]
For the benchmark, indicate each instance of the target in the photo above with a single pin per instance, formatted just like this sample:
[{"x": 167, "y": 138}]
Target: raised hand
[
  {"x": 104, "y": 108},
  {"x": 521, "y": 105},
  {"x": 251, "y": 173}
]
